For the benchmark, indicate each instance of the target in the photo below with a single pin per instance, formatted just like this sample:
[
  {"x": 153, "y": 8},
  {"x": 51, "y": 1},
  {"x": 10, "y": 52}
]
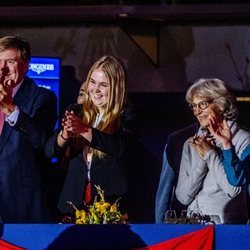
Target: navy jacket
[{"x": 22, "y": 162}]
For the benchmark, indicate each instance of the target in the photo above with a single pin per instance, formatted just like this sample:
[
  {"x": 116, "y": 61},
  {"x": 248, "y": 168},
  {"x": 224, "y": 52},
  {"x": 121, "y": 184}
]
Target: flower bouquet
[{"x": 100, "y": 212}]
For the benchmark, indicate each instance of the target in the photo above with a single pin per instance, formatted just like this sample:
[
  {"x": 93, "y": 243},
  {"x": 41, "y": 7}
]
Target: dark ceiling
[
  {"x": 115, "y": 2},
  {"x": 17, "y": 12}
]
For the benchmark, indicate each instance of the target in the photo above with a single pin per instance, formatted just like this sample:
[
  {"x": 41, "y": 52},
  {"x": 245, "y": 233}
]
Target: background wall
[
  {"x": 162, "y": 60},
  {"x": 184, "y": 52}
]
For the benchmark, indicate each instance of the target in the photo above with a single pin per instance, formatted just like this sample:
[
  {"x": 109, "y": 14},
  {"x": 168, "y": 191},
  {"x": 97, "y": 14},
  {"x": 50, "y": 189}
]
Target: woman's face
[
  {"x": 98, "y": 88},
  {"x": 204, "y": 111}
]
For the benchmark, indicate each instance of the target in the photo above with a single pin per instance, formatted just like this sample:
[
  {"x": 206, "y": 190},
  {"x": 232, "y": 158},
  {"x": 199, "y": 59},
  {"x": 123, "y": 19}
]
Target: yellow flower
[
  {"x": 102, "y": 207},
  {"x": 113, "y": 208},
  {"x": 100, "y": 212},
  {"x": 81, "y": 217}
]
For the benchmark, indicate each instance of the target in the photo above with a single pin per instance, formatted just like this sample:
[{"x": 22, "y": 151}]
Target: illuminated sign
[
  {"x": 44, "y": 68},
  {"x": 41, "y": 67},
  {"x": 45, "y": 71}
]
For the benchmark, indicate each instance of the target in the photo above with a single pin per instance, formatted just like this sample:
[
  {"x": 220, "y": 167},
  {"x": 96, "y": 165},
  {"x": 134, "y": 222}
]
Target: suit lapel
[
  {"x": 22, "y": 95},
  {"x": 20, "y": 99}
]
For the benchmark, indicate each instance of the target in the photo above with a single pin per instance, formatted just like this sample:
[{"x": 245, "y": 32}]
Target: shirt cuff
[
  {"x": 12, "y": 118},
  {"x": 229, "y": 154}
]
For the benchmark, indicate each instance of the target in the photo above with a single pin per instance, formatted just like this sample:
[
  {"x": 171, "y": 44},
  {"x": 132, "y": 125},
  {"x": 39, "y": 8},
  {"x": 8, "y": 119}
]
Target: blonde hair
[
  {"x": 18, "y": 43},
  {"x": 116, "y": 77},
  {"x": 216, "y": 91}
]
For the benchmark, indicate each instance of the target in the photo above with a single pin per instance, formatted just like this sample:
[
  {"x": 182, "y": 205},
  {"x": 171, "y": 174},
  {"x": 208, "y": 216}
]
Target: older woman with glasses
[{"x": 202, "y": 182}]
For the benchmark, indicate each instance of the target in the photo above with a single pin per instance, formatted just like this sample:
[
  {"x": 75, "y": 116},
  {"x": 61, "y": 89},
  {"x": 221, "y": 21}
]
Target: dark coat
[
  {"x": 21, "y": 155},
  {"x": 110, "y": 172}
]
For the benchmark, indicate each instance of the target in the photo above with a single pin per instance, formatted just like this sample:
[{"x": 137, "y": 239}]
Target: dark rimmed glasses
[{"x": 201, "y": 105}]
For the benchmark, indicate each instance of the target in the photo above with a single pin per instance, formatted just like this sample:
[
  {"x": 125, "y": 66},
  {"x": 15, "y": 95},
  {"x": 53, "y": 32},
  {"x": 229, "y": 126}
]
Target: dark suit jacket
[
  {"x": 110, "y": 172},
  {"x": 22, "y": 163}
]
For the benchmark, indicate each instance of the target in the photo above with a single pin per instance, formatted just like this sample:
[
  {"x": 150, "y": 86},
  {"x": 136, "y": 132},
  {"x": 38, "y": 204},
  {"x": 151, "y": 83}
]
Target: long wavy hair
[
  {"x": 114, "y": 71},
  {"x": 216, "y": 91},
  {"x": 115, "y": 74}
]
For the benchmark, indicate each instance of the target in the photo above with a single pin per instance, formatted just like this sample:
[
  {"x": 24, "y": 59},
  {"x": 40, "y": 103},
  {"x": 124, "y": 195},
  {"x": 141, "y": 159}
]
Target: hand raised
[
  {"x": 222, "y": 133},
  {"x": 201, "y": 144},
  {"x": 74, "y": 124}
]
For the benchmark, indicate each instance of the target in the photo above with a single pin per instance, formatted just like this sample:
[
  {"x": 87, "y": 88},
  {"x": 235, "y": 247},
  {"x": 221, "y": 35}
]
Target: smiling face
[
  {"x": 11, "y": 62},
  {"x": 98, "y": 88},
  {"x": 204, "y": 110}
]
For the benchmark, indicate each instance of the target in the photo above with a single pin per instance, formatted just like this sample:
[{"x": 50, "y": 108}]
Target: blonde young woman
[{"x": 98, "y": 141}]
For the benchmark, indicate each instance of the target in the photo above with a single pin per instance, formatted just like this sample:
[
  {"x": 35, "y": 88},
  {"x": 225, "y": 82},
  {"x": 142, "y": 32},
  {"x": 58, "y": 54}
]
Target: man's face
[{"x": 11, "y": 63}]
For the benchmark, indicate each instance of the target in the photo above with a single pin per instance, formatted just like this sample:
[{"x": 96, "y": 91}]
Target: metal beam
[{"x": 111, "y": 13}]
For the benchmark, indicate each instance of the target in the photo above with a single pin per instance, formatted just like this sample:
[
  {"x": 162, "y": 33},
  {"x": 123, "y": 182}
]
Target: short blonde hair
[{"x": 17, "y": 43}]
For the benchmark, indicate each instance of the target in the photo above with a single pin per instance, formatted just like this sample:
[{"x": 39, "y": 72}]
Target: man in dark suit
[{"x": 27, "y": 117}]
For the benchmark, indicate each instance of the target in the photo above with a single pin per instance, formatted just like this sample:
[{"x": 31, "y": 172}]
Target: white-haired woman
[{"x": 202, "y": 182}]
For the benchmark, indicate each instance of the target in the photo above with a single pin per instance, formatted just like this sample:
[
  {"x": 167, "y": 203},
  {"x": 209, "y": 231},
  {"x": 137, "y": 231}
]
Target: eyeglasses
[{"x": 201, "y": 105}]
